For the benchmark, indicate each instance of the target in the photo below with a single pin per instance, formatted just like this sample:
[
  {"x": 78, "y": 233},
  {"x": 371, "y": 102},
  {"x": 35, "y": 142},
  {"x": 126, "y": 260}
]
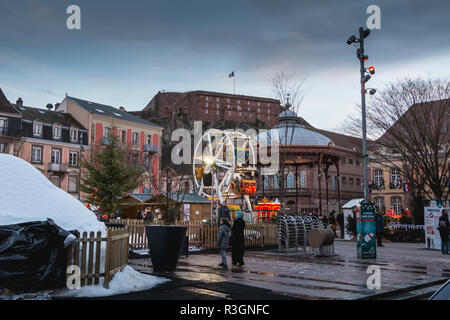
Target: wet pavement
[{"x": 304, "y": 276}]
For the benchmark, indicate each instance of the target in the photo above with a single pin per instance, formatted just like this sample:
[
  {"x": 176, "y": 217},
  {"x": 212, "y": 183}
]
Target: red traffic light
[{"x": 371, "y": 70}]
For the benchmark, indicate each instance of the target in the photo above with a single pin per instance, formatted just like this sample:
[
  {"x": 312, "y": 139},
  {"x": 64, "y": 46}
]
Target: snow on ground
[
  {"x": 125, "y": 281},
  {"x": 27, "y": 195}
]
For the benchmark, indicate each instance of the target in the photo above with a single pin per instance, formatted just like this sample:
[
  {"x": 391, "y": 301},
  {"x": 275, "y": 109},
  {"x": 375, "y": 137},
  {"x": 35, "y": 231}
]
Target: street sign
[{"x": 366, "y": 230}]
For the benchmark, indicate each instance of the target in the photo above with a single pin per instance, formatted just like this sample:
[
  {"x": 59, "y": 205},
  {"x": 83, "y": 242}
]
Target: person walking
[
  {"x": 444, "y": 231},
  {"x": 237, "y": 240},
  {"x": 340, "y": 221},
  {"x": 379, "y": 229},
  {"x": 223, "y": 241},
  {"x": 333, "y": 222},
  {"x": 325, "y": 221}
]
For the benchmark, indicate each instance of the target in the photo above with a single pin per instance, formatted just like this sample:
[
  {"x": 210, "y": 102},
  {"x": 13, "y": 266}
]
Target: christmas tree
[{"x": 108, "y": 177}]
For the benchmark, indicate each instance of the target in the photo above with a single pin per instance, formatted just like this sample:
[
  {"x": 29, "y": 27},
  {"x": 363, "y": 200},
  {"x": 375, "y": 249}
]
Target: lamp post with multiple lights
[{"x": 364, "y": 78}]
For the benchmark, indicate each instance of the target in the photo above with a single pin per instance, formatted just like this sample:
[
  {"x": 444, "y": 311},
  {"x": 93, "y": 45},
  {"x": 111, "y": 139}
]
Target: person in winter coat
[
  {"x": 332, "y": 222},
  {"x": 379, "y": 229},
  {"x": 325, "y": 221},
  {"x": 444, "y": 231},
  {"x": 224, "y": 211},
  {"x": 223, "y": 241},
  {"x": 237, "y": 240},
  {"x": 340, "y": 221}
]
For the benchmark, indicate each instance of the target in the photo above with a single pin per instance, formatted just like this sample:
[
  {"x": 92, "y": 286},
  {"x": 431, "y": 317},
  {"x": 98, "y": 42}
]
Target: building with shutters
[{"x": 139, "y": 137}]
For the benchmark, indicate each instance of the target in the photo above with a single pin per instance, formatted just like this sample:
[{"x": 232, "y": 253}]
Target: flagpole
[{"x": 234, "y": 84}]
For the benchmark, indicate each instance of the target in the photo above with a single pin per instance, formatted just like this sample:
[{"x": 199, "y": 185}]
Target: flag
[{"x": 231, "y": 75}]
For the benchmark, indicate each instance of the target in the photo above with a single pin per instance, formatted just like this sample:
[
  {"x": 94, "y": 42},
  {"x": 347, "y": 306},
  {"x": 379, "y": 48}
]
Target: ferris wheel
[
  {"x": 213, "y": 164},
  {"x": 222, "y": 159}
]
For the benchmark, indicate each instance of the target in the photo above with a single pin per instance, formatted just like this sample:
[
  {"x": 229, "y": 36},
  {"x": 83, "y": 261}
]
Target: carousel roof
[{"x": 291, "y": 132}]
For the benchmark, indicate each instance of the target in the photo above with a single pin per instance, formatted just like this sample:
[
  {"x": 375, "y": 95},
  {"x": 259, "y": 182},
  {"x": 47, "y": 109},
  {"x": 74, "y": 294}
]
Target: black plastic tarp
[{"x": 33, "y": 255}]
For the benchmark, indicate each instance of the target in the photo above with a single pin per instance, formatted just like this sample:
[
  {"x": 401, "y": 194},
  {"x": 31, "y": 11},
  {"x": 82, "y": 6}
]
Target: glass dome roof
[{"x": 289, "y": 132}]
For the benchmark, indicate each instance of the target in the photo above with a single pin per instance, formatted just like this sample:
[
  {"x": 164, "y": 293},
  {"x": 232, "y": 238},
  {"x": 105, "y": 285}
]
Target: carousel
[{"x": 305, "y": 152}]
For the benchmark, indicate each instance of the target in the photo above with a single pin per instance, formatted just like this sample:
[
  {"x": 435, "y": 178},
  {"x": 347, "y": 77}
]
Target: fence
[
  {"x": 204, "y": 236},
  {"x": 86, "y": 253}
]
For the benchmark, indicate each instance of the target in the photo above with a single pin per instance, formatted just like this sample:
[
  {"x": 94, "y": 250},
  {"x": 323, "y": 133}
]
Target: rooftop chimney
[
  {"x": 19, "y": 102},
  {"x": 122, "y": 108}
]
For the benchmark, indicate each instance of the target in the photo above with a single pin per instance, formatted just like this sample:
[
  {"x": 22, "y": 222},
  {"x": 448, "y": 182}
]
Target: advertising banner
[
  {"x": 433, "y": 211},
  {"x": 366, "y": 230}
]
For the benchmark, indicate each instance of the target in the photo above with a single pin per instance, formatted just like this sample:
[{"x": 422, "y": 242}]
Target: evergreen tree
[{"x": 108, "y": 177}]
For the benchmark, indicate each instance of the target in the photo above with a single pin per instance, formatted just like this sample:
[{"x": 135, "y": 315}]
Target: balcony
[
  {"x": 150, "y": 148},
  {"x": 57, "y": 167}
]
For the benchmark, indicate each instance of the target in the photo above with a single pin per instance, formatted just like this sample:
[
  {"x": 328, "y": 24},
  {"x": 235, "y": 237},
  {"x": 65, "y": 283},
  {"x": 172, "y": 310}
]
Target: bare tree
[
  {"x": 408, "y": 122},
  {"x": 290, "y": 91},
  {"x": 287, "y": 86}
]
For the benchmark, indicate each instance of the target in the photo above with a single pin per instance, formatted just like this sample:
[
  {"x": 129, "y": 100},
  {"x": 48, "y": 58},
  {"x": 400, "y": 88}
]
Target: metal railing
[
  {"x": 57, "y": 167},
  {"x": 150, "y": 148}
]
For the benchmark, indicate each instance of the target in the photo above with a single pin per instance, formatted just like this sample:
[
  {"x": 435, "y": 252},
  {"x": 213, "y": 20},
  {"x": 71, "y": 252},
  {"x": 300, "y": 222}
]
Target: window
[
  {"x": 207, "y": 104},
  {"x": 106, "y": 131},
  {"x": 357, "y": 163},
  {"x": 124, "y": 136},
  {"x": 37, "y": 129},
  {"x": 206, "y": 111},
  {"x": 378, "y": 177},
  {"x": 134, "y": 160},
  {"x": 56, "y": 181},
  {"x": 56, "y": 156},
  {"x": 3, "y": 148},
  {"x": 36, "y": 154},
  {"x": 275, "y": 182},
  {"x": 73, "y": 184},
  {"x": 290, "y": 181},
  {"x": 135, "y": 139},
  {"x": 344, "y": 180},
  {"x": 149, "y": 139},
  {"x": 73, "y": 135},
  {"x": 350, "y": 161},
  {"x": 379, "y": 203},
  {"x": 73, "y": 158},
  {"x": 206, "y": 100},
  {"x": 56, "y": 132},
  {"x": 3, "y": 126},
  {"x": 266, "y": 182},
  {"x": 217, "y": 99},
  {"x": 358, "y": 181},
  {"x": 396, "y": 204},
  {"x": 395, "y": 177},
  {"x": 302, "y": 180},
  {"x": 350, "y": 181},
  {"x": 333, "y": 183}
]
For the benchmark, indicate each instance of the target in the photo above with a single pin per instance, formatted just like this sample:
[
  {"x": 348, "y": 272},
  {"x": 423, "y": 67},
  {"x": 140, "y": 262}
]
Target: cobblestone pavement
[{"x": 302, "y": 275}]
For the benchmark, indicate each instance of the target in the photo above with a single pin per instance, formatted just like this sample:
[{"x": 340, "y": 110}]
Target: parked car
[{"x": 443, "y": 293}]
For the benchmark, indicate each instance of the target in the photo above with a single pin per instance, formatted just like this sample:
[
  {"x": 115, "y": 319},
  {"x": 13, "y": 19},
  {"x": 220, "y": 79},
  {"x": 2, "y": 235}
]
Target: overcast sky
[{"x": 126, "y": 51}]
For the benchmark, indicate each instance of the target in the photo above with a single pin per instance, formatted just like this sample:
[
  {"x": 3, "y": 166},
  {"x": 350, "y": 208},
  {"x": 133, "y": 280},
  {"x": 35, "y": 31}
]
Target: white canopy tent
[{"x": 347, "y": 209}]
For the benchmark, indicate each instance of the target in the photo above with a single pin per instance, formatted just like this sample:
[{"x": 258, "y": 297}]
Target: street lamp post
[{"x": 364, "y": 78}]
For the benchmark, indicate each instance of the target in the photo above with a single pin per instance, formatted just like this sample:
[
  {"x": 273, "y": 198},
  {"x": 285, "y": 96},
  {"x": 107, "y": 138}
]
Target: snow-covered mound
[
  {"x": 27, "y": 195},
  {"x": 125, "y": 281}
]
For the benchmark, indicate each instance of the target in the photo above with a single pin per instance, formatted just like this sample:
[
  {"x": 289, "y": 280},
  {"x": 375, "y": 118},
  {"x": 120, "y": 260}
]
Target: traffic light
[{"x": 371, "y": 70}]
